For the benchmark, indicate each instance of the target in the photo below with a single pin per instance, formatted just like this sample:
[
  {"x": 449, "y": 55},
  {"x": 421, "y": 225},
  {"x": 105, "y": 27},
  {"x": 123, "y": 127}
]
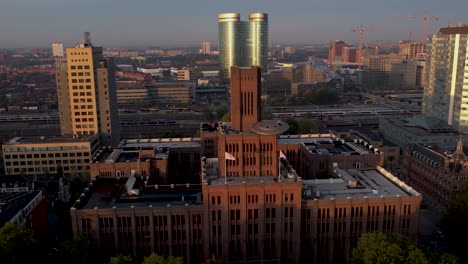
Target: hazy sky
[{"x": 144, "y": 23}]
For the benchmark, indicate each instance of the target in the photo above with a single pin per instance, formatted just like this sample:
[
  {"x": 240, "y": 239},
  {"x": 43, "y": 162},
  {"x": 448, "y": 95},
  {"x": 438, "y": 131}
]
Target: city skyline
[{"x": 27, "y": 24}]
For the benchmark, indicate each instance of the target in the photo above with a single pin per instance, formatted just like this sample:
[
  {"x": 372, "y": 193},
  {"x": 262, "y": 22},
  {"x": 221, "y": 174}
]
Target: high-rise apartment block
[
  {"x": 57, "y": 49},
  {"x": 88, "y": 118},
  {"x": 335, "y": 51},
  {"x": 341, "y": 52},
  {"x": 350, "y": 54},
  {"x": 242, "y": 43},
  {"x": 86, "y": 93},
  {"x": 446, "y": 89},
  {"x": 411, "y": 49},
  {"x": 206, "y": 48}
]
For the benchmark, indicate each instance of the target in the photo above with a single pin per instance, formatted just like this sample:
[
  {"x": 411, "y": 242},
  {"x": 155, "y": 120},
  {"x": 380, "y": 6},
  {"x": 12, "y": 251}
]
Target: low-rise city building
[
  {"x": 420, "y": 129},
  {"x": 42, "y": 155}
]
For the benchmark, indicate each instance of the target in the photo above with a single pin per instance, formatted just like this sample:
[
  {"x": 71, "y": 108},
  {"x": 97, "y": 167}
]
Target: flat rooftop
[
  {"x": 307, "y": 138},
  {"x": 369, "y": 183},
  {"x": 111, "y": 193},
  {"x": 253, "y": 180},
  {"x": 13, "y": 202},
  {"x": 327, "y": 144},
  {"x": 160, "y": 143},
  {"x": 109, "y": 155},
  {"x": 423, "y": 126},
  {"x": 49, "y": 139},
  {"x": 212, "y": 176}
]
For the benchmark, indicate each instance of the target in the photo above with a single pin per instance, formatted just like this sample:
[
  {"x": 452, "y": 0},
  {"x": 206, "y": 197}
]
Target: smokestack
[{"x": 87, "y": 38}]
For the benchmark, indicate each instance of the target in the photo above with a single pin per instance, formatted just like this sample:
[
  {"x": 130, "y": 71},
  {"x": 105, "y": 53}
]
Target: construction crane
[
  {"x": 425, "y": 18},
  {"x": 361, "y": 30}
]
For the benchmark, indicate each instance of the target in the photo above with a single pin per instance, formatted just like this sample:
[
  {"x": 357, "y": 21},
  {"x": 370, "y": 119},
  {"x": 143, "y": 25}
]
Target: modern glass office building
[
  {"x": 242, "y": 43},
  {"x": 257, "y": 41},
  {"x": 229, "y": 44}
]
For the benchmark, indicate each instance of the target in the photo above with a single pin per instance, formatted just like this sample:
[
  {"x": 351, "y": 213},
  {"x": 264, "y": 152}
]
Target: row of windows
[
  {"x": 290, "y": 210},
  {"x": 39, "y": 170},
  {"x": 48, "y": 155},
  {"x": 82, "y": 94},
  {"x": 80, "y": 74},
  {"x": 160, "y": 221},
  {"x": 84, "y": 126},
  {"x": 84, "y": 106},
  {"x": 84, "y": 113},
  {"x": 79, "y": 67},
  {"x": 83, "y": 100},
  {"x": 44, "y": 162},
  {"x": 78, "y": 53},
  {"x": 84, "y": 119},
  {"x": 247, "y": 103},
  {"x": 269, "y": 198},
  {"x": 81, "y": 87},
  {"x": 81, "y": 80}
]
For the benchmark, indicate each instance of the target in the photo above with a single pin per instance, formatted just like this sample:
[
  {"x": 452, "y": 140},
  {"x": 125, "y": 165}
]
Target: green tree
[
  {"x": 76, "y": 186},
  {"x": 226, "y": 117},
  {"x": 208, "y": 114},
  {"x": 198, "y": 73},
  {"x": 86, "y": 176},
  {"x": 17, "y": 245},
  {"x": 221, "y": 110},
  {"x": 121, "y": 260},
  {"x": 166, "y": 74},
  {"x": 394, "y": 248},
  {"x": 306, "y": 126},
  {"x": 76, "y": 251},
  {"x": 293, "y": 126},
  {"x": 59, "y": 169},
  {"x": 156, "y": 259},
  {"x": 454, "y": 223},
  {"x": 266, "y": 115},
  {"x": 322, "y": 97},
  {"x": 386, "y": 248},
  {"x": 45, "y": 175}
]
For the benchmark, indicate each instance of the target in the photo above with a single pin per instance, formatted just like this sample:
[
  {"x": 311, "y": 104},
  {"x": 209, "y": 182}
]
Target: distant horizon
[
  {"x": 189, "y": 46},
  {"x": 122, "y": 24}
]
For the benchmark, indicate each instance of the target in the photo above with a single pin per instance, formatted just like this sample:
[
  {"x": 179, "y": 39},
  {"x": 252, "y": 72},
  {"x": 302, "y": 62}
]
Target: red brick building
[
  {"x": 438, "y": 175},
  {"x": 250, "y": 205}
]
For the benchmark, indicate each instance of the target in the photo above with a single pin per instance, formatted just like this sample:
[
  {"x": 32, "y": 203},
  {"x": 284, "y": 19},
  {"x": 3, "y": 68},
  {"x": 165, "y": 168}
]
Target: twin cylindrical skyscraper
[{"x": 242, "y": 43}]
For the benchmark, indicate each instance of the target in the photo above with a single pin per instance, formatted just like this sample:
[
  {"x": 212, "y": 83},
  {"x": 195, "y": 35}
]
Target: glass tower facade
[
  {"x": 229, "y": 44},
  {"x": 242, "y": 43},
  {"x": 257, "y": 42}
]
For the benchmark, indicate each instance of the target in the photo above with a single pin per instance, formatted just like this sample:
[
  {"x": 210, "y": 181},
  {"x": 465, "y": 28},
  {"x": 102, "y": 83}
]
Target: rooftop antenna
[{"x": 87, "y": 38}]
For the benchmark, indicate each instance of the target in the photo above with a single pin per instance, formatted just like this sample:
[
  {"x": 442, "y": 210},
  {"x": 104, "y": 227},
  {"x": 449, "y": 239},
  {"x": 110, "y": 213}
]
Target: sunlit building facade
[
  {"x": 86, "y": 93},
  {"x": 446, "y": 89}
]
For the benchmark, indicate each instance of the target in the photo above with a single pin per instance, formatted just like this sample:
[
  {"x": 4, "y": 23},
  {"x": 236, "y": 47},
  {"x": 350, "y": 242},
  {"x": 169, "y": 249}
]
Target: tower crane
[
  {"x": 361, "y": 30},
  {"x": 425, "y": 18}
]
